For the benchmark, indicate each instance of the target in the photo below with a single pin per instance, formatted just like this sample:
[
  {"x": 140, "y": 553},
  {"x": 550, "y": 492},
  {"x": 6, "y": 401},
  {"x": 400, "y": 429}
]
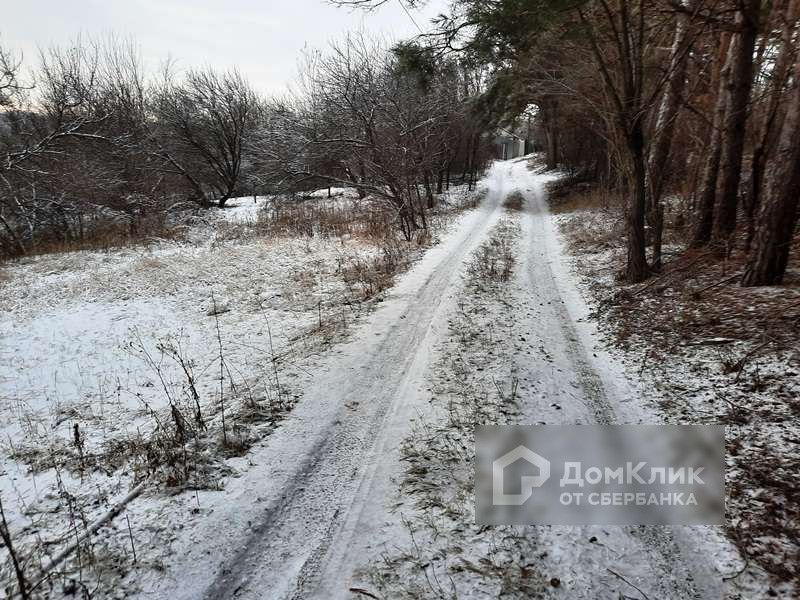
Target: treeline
[
  {"x": 652, "y": 97},
  {"x": 92, "y": 143},
  {"x": 395, "y": 125}
]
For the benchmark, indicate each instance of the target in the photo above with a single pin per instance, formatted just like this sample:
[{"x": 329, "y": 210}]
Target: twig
[
  {"x": 720, "y": 282},
  {"x": 5, "y": 534},
  {"x": 221, "y": 371},
  {"x": 130, "y": 534},
  {"x": 91, "y": 529},
  {"x": 742, "y": 363},
  {"x": 272, "y": 357},
  {"x": 628, "y": 582},
  {"x": 668, "y": 273},
  {"x": 364, "y": 592}
]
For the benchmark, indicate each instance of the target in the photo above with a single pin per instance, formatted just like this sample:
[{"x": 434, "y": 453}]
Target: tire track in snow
[
  {"x": 328, "y": 504},
  {"x": 662, "y": 557}
]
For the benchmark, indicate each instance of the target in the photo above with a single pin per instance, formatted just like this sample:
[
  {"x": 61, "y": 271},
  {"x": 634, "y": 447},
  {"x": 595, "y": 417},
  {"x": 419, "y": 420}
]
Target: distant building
[{"x": 508, "y": 144}]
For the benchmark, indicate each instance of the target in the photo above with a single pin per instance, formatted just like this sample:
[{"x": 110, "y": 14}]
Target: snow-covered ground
[
  {"x": 316, "y": 492},
  {"x": 323, "y": 499},
  {"x": 97, "y": 346},
  {"x": 325, "y": 505},
  {"x": 246, "y": 209},
  {"x": 698, "y": 350},
  {"x": 528, "y": 351}
]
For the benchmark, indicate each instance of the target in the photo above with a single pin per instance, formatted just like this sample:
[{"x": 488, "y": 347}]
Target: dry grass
[
  {"x": 182, "y": 442},
  {"x": 601, "y": 224},
  {"x": 447, "y": 555},
  {"x": 569, "y": 195},
  {"x": 515, "y": 201},
  {"x": 366, "y": 278},
  {"x": 764, "y": 499},
  {"x": 150, "y": 262},
  {"x": 494, "y": 260},
  {"x": 367, "y": 221}
]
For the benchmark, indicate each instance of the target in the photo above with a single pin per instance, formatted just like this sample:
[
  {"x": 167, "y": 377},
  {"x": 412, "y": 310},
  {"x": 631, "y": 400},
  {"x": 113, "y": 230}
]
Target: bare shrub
[
  {"x": 98, "y": 232},
  {"x": 474, "y": 200},
  {"x": 289, "y": 217},
  {"x": 363, "y": 221},
  {"x": 366, "y": 277}
]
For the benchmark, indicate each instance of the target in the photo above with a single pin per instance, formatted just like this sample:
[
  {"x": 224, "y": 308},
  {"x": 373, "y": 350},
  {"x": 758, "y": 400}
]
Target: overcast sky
[{"x": 264, "y": 38}]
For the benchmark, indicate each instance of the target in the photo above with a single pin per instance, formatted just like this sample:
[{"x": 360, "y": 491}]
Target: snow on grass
[
  {"x": 332, "y": 192},
  {"x": 472, "y": 379},
  {"x": 245, "y": 209},
  {"x": 72, "y": 319},
  {"x": 114, "y": 373}
]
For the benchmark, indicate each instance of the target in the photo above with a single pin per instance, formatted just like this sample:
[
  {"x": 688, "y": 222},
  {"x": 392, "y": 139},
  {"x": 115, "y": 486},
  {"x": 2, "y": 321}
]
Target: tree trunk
[
  {"x": 428, "y": 189},
  {"x": 353, "y": 178},
  {"x": 549, "y": 113},
  {"x": 14, "y": 238},
  {"x": 665, "y": 126},
  {"x": 705, "y": 199},
  {"x": 469, "y": 163},
  {"x": 778, "y": 215},
  {"x": 738, "y": 95},
  {"x": 637, "y": 269},
  {"x": 473, "y": 160},
  {"x": 766, "y": 125},
  {"x": 362, "y": 178},
  {"x": 201, "y": 199}
]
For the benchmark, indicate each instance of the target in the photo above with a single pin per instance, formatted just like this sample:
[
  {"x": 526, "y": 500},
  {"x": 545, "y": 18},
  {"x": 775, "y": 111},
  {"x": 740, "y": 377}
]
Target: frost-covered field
[{"x": 206, "y": 340}]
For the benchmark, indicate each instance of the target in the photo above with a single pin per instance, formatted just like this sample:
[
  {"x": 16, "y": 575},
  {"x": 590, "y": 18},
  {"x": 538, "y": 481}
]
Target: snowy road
[
  {"x": 313, "y": 505},
  {"x": 322, "y": 472}
]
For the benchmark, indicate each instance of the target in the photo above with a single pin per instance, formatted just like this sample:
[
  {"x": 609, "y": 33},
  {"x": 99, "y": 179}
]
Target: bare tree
[
  {"x": 766, "y": 121},
  {"x": 40, "y": 139},
  {"x": 778, "y": 216},
  {"x": 618, "y": 37},
  {"x": 659, "y": 157},
  {"x": 737, "y": 94},
  {"x": 374, "y": 119},
  {"x": 706, "y": 194},
  {"x": 10, "y": 85},
  {"x": 202, "y": 123}
]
